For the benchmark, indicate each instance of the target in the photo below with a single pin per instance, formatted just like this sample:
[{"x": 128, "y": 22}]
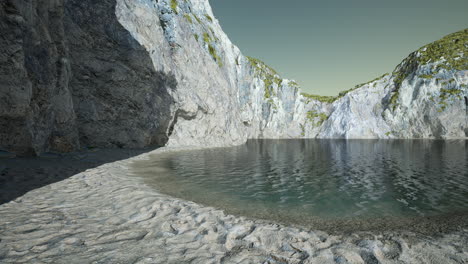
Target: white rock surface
[{"x": 226, "y": 98}]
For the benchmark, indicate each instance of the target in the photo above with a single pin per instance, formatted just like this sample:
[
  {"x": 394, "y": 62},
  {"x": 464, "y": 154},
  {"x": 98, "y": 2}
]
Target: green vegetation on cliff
[
  {"x": 316, "y": 118},
  {"x": 198, "y": 19},
  {"x": 215, "y": 55},
  {"x": 426, "y": 76},
  {"x": 174, "y": 6},
  {"x": 452, "y": 50},
  {"x": 267, "y": 74},
  {"x": 206, "y": 38},
  {"x": 209, "y": 40},
  {"x": 448, "y": 94},
  {"x": 363, "y": 84},
  {"x": 189, "y": 18},
  {"x": 449, "y": 52},
  {"x": 320, "y": 98},
  {"x": 209, "y": 17},
  {"x": 331, "y": 99}
]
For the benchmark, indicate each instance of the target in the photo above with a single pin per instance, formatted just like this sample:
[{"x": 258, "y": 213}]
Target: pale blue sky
[{"x": 329, "y": 46}]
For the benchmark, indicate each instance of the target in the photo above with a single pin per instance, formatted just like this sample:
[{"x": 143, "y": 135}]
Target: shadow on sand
[{"x": 21, "y": 175}]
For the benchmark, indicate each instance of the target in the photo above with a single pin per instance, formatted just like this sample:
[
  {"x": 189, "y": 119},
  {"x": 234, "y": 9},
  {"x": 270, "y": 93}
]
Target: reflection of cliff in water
[
  {"x": 320, "y": 178},
  {"x": 466, "y": 116}
]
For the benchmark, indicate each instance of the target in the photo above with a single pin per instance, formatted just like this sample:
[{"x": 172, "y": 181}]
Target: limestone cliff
[
  {"x": 136, "y": 73},
  {"x": 426, "y": 96}
]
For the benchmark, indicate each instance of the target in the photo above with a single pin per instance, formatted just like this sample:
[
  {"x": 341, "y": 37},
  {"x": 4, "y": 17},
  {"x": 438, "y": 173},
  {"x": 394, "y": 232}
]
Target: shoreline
[{"x": 105, "y": 215}]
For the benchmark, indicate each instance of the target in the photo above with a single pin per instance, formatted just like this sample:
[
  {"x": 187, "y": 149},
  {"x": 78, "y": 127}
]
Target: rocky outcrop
[
  {"x": 136, "y": 73},
  {"x": 425, "y": 97}
]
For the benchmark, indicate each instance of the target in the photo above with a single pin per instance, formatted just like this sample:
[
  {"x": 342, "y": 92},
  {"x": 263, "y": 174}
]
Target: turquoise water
[{"x": 317, "y": 181}]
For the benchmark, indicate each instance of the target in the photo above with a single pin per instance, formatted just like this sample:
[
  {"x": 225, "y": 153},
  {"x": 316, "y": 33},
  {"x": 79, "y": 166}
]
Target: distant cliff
[
  {"x": 426, "y": 96},
  {"x": 137, "y": 73}
]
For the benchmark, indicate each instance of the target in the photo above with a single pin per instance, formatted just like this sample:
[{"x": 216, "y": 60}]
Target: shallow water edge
[
  {"x": 452, "y": 155},
  {"x": 104, "y": 215}
]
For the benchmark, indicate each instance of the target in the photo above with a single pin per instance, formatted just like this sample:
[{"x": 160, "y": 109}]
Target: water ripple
[{"x": 319, "y": 178}]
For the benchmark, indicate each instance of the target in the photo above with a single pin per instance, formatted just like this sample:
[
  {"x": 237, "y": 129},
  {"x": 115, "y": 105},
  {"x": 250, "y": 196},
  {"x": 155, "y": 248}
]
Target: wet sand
[{"x": 103, "y": 215}]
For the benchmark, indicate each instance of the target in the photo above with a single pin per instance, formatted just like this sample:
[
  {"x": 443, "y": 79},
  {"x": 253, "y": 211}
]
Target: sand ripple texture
[{"x": 104, "y": 216}]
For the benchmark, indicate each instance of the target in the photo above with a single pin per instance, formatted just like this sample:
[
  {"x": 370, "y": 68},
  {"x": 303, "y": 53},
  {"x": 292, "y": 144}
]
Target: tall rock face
[
  {"x": 71, "y": 75},
  {"x": 222, "y": 97},
  {"x": 137, "y": 73},
  {"x": 120, "y": 99},
  {"x": 36, "y": 108}
]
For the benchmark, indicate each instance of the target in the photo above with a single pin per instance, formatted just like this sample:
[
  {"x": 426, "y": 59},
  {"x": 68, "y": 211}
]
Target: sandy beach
[{"x": 87, "y": 208}]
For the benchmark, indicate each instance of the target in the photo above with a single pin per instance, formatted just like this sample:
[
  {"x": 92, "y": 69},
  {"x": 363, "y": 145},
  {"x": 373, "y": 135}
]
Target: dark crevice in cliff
[{"x": 185, "y": 115}]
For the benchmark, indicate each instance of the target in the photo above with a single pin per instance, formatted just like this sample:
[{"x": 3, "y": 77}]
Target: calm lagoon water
[{"x": 321, "y": 183}]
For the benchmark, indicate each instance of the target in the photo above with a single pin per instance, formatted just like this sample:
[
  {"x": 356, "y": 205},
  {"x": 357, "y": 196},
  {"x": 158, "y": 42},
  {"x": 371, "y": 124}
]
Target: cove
[{"x": 334, "y": 185}]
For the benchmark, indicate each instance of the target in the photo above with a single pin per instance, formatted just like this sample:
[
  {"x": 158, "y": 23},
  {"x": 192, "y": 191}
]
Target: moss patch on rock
[
  {"x": 331, "y": 99},
  {"x": 215, "y": 55},
  {"x": 209, "y": 18},
  {"x": 267, "y": 74},
  {"x": 197, "y": 19},
  {"x": 426, "y": 76},
  {"x": 174, "y": 5},
  {"x": 366, "y": 83},
  {"x": 449, "y": 52},
  {"x": 209, "y": 40},
  {"x": 316, "y": 118},
  {"x": 320, "y": 98},
  {"x": 188, "y": 18},
  {"x": 206, "y": 38}
]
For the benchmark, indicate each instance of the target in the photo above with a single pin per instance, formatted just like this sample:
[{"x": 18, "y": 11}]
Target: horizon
[{"x": 331, "y": 47}]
